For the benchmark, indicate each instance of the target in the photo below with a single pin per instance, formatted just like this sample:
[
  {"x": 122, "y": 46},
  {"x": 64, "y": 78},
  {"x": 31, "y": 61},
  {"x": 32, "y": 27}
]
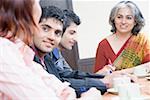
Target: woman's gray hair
[{"x": 139, "y": 19}]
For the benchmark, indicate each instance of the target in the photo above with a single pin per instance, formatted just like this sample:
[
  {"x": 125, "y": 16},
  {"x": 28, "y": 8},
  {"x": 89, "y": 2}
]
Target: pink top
[{"x": 23, "y": 79}]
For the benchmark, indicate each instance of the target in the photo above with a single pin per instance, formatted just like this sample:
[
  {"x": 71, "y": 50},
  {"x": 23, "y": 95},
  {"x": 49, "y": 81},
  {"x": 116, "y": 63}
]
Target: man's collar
[
  {"x": 36, "y": 52},
  {"x": 56, "y": 53}
]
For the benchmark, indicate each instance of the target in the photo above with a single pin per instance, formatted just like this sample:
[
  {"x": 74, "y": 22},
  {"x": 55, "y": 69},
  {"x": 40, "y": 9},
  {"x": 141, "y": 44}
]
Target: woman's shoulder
[
  {"x": 143, "y": 36},
  {"x": 105, "y": 40},
  {"x": 9, "y": 51},
  {"x": 5, "y": 42}
]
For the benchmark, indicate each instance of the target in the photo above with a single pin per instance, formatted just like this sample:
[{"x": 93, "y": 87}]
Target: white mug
[
  {"x": 122, "y": 90},
  {"x": 129, "y": 91},
  {"x": 120, "y": 80},
  {"x": 133, "y": 90}
]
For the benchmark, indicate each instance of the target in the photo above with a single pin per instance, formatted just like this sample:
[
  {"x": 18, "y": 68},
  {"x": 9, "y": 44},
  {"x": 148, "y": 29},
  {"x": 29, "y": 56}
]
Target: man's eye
[
  {"x": 46, "y": 29},
  {"x": 72, "y": 33},
  {"x": 58, "y": 33}
]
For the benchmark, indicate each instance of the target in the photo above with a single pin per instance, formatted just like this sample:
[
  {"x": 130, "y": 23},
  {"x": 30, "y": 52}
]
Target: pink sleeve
[{"x": 17, "y": 80}]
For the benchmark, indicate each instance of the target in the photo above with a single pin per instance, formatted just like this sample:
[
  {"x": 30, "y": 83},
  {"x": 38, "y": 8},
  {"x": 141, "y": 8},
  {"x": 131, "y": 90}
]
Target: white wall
[{"x": 94, "y": 16}]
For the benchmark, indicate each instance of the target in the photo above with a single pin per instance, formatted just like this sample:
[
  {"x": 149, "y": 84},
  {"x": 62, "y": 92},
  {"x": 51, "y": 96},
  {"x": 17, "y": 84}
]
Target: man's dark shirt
[{"x": 80, "y": 81}]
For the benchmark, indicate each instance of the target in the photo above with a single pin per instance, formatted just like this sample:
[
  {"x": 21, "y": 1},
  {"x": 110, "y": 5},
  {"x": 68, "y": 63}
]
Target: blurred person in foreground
[{"x": 20, "y": 77}]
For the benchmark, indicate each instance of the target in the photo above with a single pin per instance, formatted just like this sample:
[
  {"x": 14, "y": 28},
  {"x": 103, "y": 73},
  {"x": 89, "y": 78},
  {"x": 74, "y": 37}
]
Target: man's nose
[
  {"x": 75, "y": 38},
  {"x": 51, "y": 35}
]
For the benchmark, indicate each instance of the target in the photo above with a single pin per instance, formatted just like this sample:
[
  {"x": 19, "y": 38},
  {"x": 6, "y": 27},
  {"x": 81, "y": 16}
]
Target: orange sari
[{"x": 136, "y": 52}]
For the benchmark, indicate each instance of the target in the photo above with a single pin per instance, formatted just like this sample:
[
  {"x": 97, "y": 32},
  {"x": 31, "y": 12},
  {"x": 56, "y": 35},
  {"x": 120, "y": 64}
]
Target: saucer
[
  {"x": 139, "y": 98},
  {"x": 112, "y": 90},
  {"x": 148, "y": 78},
  {"x": 141, "y": 76}
]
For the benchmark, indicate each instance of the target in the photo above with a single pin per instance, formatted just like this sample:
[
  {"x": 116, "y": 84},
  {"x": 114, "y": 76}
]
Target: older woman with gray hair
[{"x": 126, "y": 47}]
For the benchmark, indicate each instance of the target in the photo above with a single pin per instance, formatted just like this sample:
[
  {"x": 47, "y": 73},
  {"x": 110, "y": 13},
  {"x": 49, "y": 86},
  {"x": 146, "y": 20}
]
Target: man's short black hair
[
  {"x": 70, "y": 17},
  {"x": 54, "y": 12}
]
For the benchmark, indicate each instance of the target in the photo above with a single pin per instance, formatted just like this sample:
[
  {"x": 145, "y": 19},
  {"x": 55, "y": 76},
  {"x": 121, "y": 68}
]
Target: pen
[{"x": 111, "y": 65}]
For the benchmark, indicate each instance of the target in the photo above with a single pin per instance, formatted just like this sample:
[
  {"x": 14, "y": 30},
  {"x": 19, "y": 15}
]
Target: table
[{"x": 145, "y": 90}]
